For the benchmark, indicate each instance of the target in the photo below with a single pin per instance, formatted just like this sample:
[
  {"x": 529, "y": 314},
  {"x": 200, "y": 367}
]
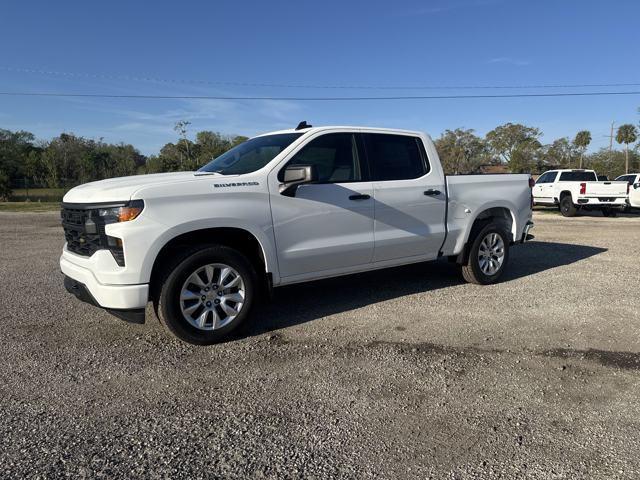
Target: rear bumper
[
  {"x": 82, "y": 293},
  {"x": 603, "y": 202}
]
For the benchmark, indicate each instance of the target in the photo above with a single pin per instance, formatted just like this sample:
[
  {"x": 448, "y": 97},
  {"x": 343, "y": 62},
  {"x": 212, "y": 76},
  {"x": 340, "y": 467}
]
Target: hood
[{"x": 122, "y": 188}]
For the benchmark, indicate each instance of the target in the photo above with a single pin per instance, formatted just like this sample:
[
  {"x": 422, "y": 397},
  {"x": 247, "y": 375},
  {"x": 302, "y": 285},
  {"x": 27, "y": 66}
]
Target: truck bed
[{"x": 468, "y": 195}]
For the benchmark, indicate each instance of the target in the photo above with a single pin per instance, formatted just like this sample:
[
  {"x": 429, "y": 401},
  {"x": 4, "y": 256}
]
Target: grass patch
[
  {"x": 29, "y": 206},
  {"x": 21, "y": 192},
  {"x": 47, "y": 195}
]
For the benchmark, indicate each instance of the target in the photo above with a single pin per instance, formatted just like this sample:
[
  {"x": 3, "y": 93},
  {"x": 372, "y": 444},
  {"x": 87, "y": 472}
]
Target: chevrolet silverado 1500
[
  {"x": 573, "y": 190},
  {"x": 633, "y": 182},
  {"x": 281, "y": 208}
]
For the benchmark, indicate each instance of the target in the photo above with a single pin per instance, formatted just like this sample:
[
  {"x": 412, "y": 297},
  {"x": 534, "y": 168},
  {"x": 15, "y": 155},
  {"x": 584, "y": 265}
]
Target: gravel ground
[{"x": 401, "y": 373}]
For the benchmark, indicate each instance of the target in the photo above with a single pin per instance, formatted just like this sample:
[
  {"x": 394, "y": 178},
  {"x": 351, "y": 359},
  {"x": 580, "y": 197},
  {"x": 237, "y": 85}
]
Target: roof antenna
[{"x": 302, "y": 125}]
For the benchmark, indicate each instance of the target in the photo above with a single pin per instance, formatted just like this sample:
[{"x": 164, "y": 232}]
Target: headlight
[{"x": 124, "y": 213}]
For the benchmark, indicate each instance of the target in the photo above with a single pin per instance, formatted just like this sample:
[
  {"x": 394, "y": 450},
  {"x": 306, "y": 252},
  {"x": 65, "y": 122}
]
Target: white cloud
[
  {"x": 518, "y": 62},
  {"x": 149, "y": 125},
  {"x": 448, "y": 6}
]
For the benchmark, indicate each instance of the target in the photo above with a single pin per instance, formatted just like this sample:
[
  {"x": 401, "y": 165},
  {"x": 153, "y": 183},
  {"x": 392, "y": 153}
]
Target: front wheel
[
  {"x": 488, "y": 256},
  {"x": 207, "y": 294}
]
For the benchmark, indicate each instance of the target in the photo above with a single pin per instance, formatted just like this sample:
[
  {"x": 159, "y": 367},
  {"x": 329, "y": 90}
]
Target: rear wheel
[
  {"x": 567, "y": 208},
  {"x": 207, "y": 294},
  {"x": 488, "y": 255}
]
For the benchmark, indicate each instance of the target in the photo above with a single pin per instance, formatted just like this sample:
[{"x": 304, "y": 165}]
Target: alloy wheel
[
  {"x": 491, "y": 253},
  {"x": 212, "y": 296}
]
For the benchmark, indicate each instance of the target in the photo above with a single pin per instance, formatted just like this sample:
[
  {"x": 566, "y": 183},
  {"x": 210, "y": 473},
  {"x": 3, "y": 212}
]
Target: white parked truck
[
  {"x": 573, "y": 190},
  {"x": 281, "y": 208},
  {"x": 633, "y": 182}
]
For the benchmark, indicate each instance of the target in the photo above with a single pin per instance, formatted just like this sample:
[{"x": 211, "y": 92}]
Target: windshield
[
  {"x": 251, "y": 155},
  {"x": 627, "y": 178},
  {"x": 578, "y": 176}
]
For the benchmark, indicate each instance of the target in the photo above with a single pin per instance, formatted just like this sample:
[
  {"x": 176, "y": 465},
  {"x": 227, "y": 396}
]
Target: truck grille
[
  {"x": 78, "y": 239},
  {"x": 85, "y": 233}
]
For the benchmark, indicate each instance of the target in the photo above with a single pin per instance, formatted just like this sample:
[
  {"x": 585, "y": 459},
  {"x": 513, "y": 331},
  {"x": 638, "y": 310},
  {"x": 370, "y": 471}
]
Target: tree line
[
  {"x": 519, "y": 149},
  {"x": 68, "y": 160}
]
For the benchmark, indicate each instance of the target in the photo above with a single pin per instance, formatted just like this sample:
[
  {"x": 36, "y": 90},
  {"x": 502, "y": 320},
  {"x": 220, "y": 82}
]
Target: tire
[
  {"x": 474, "y": 271},
  {"x": 567, "y": 208},
  {"x": 180, "y": 290},
  {"x": 609, "y": 212}
]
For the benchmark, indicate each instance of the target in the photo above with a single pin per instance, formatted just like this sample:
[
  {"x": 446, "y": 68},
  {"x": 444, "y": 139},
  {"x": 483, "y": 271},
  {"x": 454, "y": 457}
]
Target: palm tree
[
  {"x": 627, "y": 134},
  {"x": 582, "y": 141}
]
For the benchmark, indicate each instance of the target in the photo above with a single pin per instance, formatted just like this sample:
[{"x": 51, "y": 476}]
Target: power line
[
  {"x": 144, "y": 78},
  {"x": 314, "y": 99}
]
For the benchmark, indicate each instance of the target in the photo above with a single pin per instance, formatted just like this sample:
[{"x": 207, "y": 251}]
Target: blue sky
[{"x": 109, "y": 47}]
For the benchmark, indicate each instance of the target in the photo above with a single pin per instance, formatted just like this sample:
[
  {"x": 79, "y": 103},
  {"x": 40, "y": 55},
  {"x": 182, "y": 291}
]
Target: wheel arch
[
  {"x": 487, "y": 215},
  {"x": 238, "y": 238},
  {"x": 495, "y": 212},
  {"x": 564, "y": 193}
]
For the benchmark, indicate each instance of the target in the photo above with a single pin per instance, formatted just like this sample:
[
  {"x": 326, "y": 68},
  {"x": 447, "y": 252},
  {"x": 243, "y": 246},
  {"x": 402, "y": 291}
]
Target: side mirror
[
  {"x": 296, "y": 175},
  {"x": 636, "y": 186}
]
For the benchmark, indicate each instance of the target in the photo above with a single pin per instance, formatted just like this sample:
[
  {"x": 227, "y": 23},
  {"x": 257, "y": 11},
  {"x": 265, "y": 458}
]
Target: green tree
[
  {"x": 582, "y": 141},
  {"x": 210, "y": 145},
  {"x": 184, "y": 144},
  {"x": 14, "y": 149},
  {"x": 612, "y": 164},
  {"x": 559, "y": 154},
  {"x": 627, "y": 134},
  {"x": 516, "y": 145},
  {"x": 5, "y": 186},
  {"x": 152, "y": 165},
  {"x": 461, "y": 151},
  {"x": 32, "y": 168},
  {"x": 170, "y": 158}
]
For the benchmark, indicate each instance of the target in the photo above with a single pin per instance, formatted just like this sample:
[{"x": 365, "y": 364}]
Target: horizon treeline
[{"x": 68, "y": 159}]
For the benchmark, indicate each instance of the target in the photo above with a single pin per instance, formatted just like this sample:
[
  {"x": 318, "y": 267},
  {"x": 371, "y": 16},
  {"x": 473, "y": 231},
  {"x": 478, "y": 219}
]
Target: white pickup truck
[
  {"x": 633, "y": 182},
  {"x": 281, "y": 208},
  {"x": 633, "y": 189},
  {"x": 573, "y": 190}
]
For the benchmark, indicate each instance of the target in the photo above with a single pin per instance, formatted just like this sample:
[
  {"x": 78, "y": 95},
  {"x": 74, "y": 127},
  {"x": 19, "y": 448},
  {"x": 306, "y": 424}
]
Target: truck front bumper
[
  {"x": 124, "y": 301},
  {"x": 82, "y": 293}
]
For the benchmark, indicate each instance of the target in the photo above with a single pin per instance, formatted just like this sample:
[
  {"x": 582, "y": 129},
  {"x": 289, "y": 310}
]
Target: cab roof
[{"x": 343, "y": 127}]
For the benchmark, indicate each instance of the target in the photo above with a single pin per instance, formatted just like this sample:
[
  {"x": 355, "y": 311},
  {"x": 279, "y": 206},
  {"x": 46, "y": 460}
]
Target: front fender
[{"x": 263, "y": 238}]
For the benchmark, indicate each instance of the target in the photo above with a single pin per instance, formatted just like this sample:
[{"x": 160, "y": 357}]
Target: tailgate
[{"x": 606, "y": 189}]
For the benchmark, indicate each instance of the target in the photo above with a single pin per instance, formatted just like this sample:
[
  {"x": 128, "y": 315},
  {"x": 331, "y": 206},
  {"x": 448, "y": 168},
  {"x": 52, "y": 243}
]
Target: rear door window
[{"x": 395, "y": 157}]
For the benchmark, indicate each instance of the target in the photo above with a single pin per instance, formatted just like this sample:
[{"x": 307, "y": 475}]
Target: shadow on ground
[
  {"x": 302, "y": 303},
  {"x": 622, "y": 360}
]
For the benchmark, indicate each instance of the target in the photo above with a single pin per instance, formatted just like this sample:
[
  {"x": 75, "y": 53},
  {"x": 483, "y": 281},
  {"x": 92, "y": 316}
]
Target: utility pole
[{"x": 611, "y": 142}]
